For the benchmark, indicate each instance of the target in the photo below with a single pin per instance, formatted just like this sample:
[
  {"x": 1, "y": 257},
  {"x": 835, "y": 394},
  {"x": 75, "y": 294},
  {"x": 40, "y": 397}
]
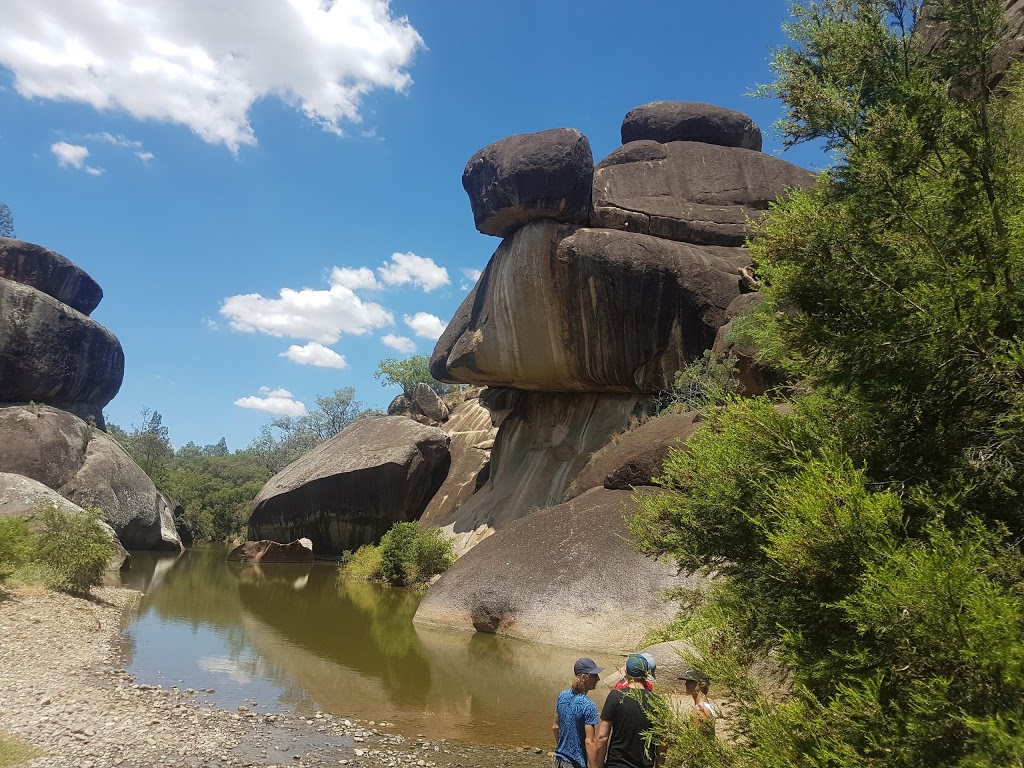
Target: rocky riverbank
[{"x": 65, "y": 694}]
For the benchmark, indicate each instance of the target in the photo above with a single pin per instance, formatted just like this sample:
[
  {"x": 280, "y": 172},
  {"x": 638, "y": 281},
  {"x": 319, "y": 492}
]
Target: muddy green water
[{"x": 290, "y": 638}]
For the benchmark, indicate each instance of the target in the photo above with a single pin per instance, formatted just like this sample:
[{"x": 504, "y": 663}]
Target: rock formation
[
  {"x": 300, "y": 551},
  {"x": 348, "y": 491}
]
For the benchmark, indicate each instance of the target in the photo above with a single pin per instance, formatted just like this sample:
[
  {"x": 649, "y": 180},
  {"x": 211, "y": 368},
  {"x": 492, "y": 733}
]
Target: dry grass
[{"x": 14, "y": 751}]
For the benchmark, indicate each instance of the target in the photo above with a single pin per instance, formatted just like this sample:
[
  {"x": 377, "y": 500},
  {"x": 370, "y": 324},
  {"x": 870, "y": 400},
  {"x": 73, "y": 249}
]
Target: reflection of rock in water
[
  {"x": 295, "y": 576},
  {"x": 148, "y": 570}
]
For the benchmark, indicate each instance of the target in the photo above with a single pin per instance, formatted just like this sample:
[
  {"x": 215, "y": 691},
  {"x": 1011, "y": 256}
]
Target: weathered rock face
[
  {"x": 300, "y": 551},
  {"x": 545, "y": 175},
  {"x": 472, "y": 432},
  {"x": 567, "y": 309},
  {"x": 563, "y": 575},
  {"x": 666, "y": 121},
  {"x": 53, "y": 354},
  {"x": 542, "y": 444},
  {"x": 49, "y": 272},
  {"x": 635, "y": 457},
  {"x": 350, "y": 490},
  {"x": 87, "y": 467},
  {"x": 688, "y": 191},
  {"x": 754, "y": 378},
  {"x": 22, "y": 497},
  {"x": 428, "y": 404}
]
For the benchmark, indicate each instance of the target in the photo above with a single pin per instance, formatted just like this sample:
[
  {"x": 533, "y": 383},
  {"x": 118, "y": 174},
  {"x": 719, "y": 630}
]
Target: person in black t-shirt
[{"x": 622, "y": 736}]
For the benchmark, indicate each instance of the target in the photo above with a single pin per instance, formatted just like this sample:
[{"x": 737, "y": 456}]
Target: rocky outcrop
[
  {"x": 85, "y": 466},
  {"x": 348, "y": 491},
  {"x": 545, "y": 175},
  {"x": 635, "y": 457},
  {"x": 300, "y": 551},
  {"x": 568, "y": 309},
  {"x": 754, "y": 378},
  {"x": 50, "y": 273},
  {"x": 427, "y": 404},
  {"x": 24, "y": 498},
  {"x": 688, "y": 191},
  {"x": 564, "y": 575},
  {"x": 53, "y": 354},
  {"x": 665, "y": 121}
]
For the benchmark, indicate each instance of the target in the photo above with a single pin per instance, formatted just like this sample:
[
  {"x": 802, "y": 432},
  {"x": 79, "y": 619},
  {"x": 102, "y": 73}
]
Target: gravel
[{"x": 64, "y": 692}]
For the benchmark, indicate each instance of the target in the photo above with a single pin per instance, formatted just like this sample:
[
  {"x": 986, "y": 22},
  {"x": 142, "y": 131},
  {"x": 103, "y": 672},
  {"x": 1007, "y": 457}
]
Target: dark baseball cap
[
  {"x": 695, "y": 675},
  {"x": 638, "y": 666},
  {"x": 586, "y": 666}
]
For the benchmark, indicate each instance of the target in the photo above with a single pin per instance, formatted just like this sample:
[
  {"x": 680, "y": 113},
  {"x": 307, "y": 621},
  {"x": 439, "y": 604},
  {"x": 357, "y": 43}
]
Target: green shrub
[
  {"x": 397, "y": 552},
  {"x": 707, "y": 381},
  {"x": 432, "y": 554},
  {"x": 15, "y": 545},
  {"x": 363, "y": 564},
  {"x": 72, "y": 548},
  {"x": 406, "y": 555}
]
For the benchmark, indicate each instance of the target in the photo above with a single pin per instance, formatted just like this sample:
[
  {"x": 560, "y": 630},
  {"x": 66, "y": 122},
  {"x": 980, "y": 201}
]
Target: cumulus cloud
[
  {"x": 472, "y": 274},
  {"x": 425, "y": 325},
  {"x": 145, "y": 157},
  {"x": 73, "y": 156},
  {"x": 402, "y": 344},
  {"x": 315, "y": 354},
  {"x": 279, "y": 401},
  {"x": 354, "y": 278},
  {"x": 408, "y": 268},
  {"x": 313, "y": 315},
  {"x": 203, "y": 64},
  {"x": 117, "y": 141}
]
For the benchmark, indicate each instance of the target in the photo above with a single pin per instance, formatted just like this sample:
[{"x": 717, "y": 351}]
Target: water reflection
[{"x": 289, "y": 636}]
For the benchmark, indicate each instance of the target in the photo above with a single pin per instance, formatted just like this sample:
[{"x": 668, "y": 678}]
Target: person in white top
[{"x": 704, "y": 711}]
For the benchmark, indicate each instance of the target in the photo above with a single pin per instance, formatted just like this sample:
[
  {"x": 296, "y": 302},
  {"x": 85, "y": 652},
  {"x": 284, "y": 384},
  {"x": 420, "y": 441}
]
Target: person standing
[
  {"x": 698, "y": 686},
  {"x": 649, "y": 682},
  {"x": 576, "y": 719},
  {"x": 623, "y": 737}
]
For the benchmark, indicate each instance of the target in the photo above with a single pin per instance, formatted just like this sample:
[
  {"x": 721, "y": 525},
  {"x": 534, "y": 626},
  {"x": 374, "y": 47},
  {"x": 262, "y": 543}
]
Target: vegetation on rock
[
  {"x": 406, "y": 555},
  {"x": 6, "y": 221},
  {"x": 868, "y": 535},
  {"x": 408, "y": 373}
]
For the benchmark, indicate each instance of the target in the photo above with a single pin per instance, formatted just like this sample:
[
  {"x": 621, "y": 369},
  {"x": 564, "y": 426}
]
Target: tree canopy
[
  {"x": 6, "y": 221},
  {"x": 408, "y": 373}
]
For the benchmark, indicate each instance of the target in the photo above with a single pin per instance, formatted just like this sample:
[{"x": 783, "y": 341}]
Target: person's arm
[
  {"x": 555, "y": 727},
  {"x": 591, "y": 746},
  {"x": 604, "y": 734}
]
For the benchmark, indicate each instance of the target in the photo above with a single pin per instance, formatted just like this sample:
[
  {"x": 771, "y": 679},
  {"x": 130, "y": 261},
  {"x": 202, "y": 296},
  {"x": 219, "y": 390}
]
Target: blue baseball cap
[
  {"x": 639, "y": 667},
  {"x": 586, "y": 666}
]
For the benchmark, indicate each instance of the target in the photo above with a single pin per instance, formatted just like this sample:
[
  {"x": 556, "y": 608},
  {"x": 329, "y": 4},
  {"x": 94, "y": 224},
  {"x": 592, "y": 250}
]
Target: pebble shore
[{"x": 64, "y": 693}]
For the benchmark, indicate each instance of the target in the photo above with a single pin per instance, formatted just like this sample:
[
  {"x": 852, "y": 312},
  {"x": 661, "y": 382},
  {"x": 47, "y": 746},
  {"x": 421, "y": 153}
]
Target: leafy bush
[
  {"x": 397, "y": 553},
  {"x": 15, "y": 545},
  {"x": 363, "y": 564},
  {"x": 406, "y": 555},
  {"x": 72, "y": 548},
  {"x": 432, "y": 554},
  {"x": 708, "y": 380}
]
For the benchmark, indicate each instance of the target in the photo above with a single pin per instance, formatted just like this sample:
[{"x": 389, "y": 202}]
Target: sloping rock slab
[
  {"x": 635, "y": 457},
  {"x": 544, "y": 175},
  {"x": 666, "y": 121},
  {"x": 690, "y": 192},
  {"x": 350, "y": 490},
  {"x": 22, "y": 497},
  {"x": 86, "y": 466},
  {"x": 49, "y": 272},
  {"x": 51, "y": 353},
  {"x": 470, "y": 428},
  {"x": 563, "y": 575},
  {"x": 566, "y": 309},
  {"x": 300, "y": 551}
]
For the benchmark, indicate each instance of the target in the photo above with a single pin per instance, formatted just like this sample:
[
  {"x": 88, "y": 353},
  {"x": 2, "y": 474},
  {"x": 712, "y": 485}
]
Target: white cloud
[
  {"x": 315, "y": 354},
  {"x": 204, "y": 64},
  {"x": 402, "y": 344},
  {"x": 425, "y": 325},
  {"x": 314, "y": 315},
  {"x": 117, "y": 141},
  {"x": 418, "y": 270},
  {"x": 145, "y": 157},
  {"x": 73, "y": 156},
  {"x": 354, "y": 278},
  {"x": 472, "y": 274},
  {"x": 278, "y": 401}
]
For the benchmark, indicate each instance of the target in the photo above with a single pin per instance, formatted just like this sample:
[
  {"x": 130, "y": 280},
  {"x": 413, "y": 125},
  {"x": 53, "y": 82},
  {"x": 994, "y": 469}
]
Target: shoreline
[{"x": 66, "y": 695}]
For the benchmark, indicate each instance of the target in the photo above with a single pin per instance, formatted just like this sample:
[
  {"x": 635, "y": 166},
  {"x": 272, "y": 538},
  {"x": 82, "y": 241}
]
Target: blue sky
[{"x": 269, "y": 191}]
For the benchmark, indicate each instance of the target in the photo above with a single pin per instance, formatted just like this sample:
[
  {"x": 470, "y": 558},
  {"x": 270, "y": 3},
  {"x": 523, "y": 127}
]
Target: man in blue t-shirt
[{"x": 576, "y": 719}]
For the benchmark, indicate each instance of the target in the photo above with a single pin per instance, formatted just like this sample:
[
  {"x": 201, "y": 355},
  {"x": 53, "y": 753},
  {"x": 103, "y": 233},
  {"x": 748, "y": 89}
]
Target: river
[{"x": 290, "y": 637}]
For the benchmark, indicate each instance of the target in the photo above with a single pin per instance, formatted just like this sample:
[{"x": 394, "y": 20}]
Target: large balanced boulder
[
  {"x": 25, "y": 498},
  {"x": 300, "y": 551},
  {"x": 427, "y": 404},
  {"x": 568, "y": 309},
  {"x": 544, "y": 175},
  {"x": 51, "y": 353},
  {"x": 350, "y": 490},
  {"x": 49, "y": 272},
  {"x": 84, "y": 465},
  {"x": 563, "y": 575},
  {"x": 689, "y": 191},
  {"x": 666, "y": 121}
]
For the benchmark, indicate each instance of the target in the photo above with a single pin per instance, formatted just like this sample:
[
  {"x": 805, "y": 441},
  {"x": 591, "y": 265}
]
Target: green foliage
[
  {"x": 408, "y": 373},
  {"x": 15, "y": 545},
  {"x": 406, "y": 555},
  {"x": 709, "y": 380},
  {"x": 71, "y": 549},
  {"x": 214, "y": 490},
  {"x": 13, "y": 751},
  {"x": 6, "y": 221}
]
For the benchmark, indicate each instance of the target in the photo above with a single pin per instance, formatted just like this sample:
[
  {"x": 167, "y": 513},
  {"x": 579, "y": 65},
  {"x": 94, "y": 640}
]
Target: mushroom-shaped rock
[
  {"x": 299, "y": 551},
  {"x": 635, "y": 457},
  {"x": 566, "y": 309},
  {"x": 544, "y": 175},
  {"x": 25, "y": 498},
  {"x": 350, "y": 490},
  {"x": 691, "y": 192},
  {"x": 84, "y": 465},
  {"x": 427, "y": 403},
  {"x": 666, "y": 121},
  {"x": 53, "y": 354},
  {"x": 561, "y": 575},
  {"x": 49, "y": 272}
]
